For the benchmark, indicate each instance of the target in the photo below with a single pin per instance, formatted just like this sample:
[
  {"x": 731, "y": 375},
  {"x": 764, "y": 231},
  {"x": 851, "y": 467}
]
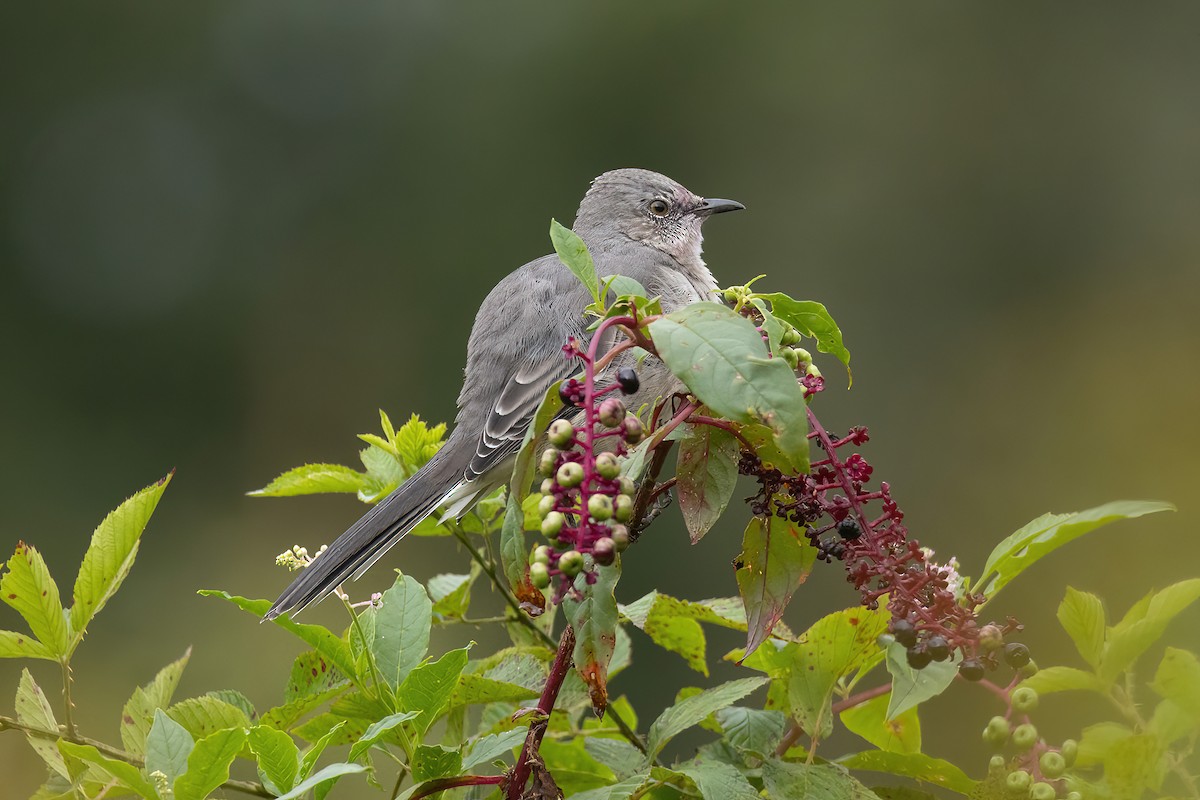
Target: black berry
[
  {"x": 1016, "y": 655},
  {"x": 938, "y": 647},
  {"x": 904, "y": 632},
  {"x": 918, "y": 657},
  {"x": 628, "y": 380},
  {"x": 570, "y": 392},
  {"x": 849, "y": 528},
  {"x": 972, "y": 669}
]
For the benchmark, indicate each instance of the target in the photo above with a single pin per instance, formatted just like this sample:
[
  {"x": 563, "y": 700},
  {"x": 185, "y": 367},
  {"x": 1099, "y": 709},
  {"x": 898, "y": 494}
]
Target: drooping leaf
[
  {"x": 208, "y": 764},
  {"x": 125, "y": 774},
  {"x": 110, "y": 555},
  {"x": 1049, "y": 532},
  {"x": 22, "y": 645},
  {"x": 706, "y": 475},
  {"x": 402, "y": 624},
  {"x": 912, "y": 765},
  {"x": 33, "y": 709},
  {"x": 751, "y": 730},
  {"x": 313, "y": 479},
  {"x": 717, "y": 780},
  {"x": 775, "y": 560},
  {"x": 811, "y": 319},
  {"x": 910, "y": 687},
  {"x": 825, "y": 781},
  {"x": 693, "y": 710},
  {"x": 377, "y": 731},
  {"x": 1082, "y": 616},
  {"x": 324, "y": 775},
  {"x": 574, "y": 254},
  {"x": 1143, "y": 625},
  {"x": 489, "y": 748},
  {"x": 277, "y": 756},
  {"x": 898, "y": 734},
  {"x": 168, "y": 746},
  {"x": 721, "y": 358},
  {"x": 203, "y": 716},
  {"x": 29, "y": 589},
  {"x": 595, "y": 621},
  {"x": 428, "y": 687}
]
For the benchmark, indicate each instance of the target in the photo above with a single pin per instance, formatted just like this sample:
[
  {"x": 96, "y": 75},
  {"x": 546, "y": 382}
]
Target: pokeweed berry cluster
[
  {"x": 1024, "y": 762},
  {"x": 586, "y": 503}
]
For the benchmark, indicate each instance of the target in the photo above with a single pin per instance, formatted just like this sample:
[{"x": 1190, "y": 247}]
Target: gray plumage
[{"x": 635, "y": 223}]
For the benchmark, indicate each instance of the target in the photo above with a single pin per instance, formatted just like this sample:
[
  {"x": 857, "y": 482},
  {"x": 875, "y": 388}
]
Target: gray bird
[{"x": 635, "y": 223}]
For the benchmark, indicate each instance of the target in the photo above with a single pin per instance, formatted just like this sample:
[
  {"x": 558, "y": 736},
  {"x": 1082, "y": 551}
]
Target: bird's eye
[{"x": 659, "y": 208}]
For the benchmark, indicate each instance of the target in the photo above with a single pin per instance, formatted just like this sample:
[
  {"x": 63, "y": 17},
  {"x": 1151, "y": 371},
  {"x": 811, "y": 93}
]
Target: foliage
[{"x": 370, "y": 702}]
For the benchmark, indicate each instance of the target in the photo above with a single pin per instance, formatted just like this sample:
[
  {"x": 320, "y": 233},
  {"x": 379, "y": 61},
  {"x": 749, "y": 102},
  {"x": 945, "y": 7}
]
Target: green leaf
[
  {"x": 330, "y": 773},
  {"x": 622, "y": 790},
  {"x": 1178, "y": 680},
  {"x": 718, "y": 781},
  {"x": 321, "y": 639},
  {"x": 912, "y": 765},
  {"x": 574, "y": 254},
  {"x": 721, "y": 358},
  {"x": 1082, "y": 616},
  {"x": 835, "y": 646},
  {"x": 813, "y": 320},
  {"x": 415, "y": 442},
  {"x": 1048, "y": 533},
  {"x": 234, "y": 698},
  {"x": 695, "y": 709},
  {"x": 168, "y": 746},
  {"x": 451, "y": 595},
  {"x": 911, "y": 687},
  {"x": 1144, "y": 625},
  {"x": 776, "y": 558},
  {"x": 1135, "y": 766},
  {"x": 595, "y": 621},
  {"x": 402, "y": 624},
  {"x": 573, "y": 767},
  {"x": 138, "y": 713},
  {"x": 29, "y": 589},
  {"x": 1171, "y": 723},
  {"x": 1099, "y": 740},
  {"x": 672, "y": 626},
  {"x": 428, "y": 688},
  {"x": 34, "y": 710},
  {"x": 126, "y": 775},
  {"x": 898, "y": 734},
  {"x": 819, "y": 781},
  {"x": 309, "y": 758},
  {"x": 22, "y": 645},
  {"x": 203, "y": 716},
  {"x": 476, "y": 689},
  {"x": 277, "y": 756},
  {"x": 435, "y": 761},
  {"x": 497, "y": 745},
  {"x": 617, "y": 754},
  {"x": 312, "y": 675},
  {"x": 208, "y": 764},
  {"x": 377, "y": 731},
  {"x": 751, "y": 730},
  {"x": 1063, "y": 679},
  {"x": 706, "y": 475},
  {"x": 313, "y": 479}
]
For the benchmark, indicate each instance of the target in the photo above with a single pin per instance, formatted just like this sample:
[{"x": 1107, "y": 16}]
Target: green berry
[
  {"x": 1025, "y": 699},
  {"x": 730, "y": 296},
  {"x": 1019, "y": 781},
  {"x": 608, "y": 466},
  {"x": 628, "y": 487},
  {"x": 805, "y": 359},
  {"x": 790, "y": 337},
  {"x": 790, "y": 356},
  {"x": 611, "y": 412},
  {"x": 539, "y": 575},
  {"x": 1024, "y": 736},
  {"x": 1029, "y": 670},
  {"x": 569, "y": 475},
  {"x": 623, "y": 508},
  {"x": 540, "y": 555},
  {"x": 1053, "y": 764},
  {"x": 812, "y": 368},
  {"x": 600, "y": 507},
  {"x": 1074, "y": 796},
  {"x": 620, "y": 536},
  {"x": 634, "y": 432},
  {"x": 1070, "y": 751},
  {"x": 547, "y": 486},
  {"x": 604, "y": 551},
  {"x": 997, "y": 766},
  {"x": 1042, "y": 791},
  {"x": 561, "y": 433},
  {"x": 885, "y": 640},
  {"x": 997, "y": 732},
  {"x": 571, "y": 562},
  {"x": 990, "y": 638},
  {"x": 552, "y": 524},
  {"x": 549, "y": 462},
  {"x": 546, "y": 505}
]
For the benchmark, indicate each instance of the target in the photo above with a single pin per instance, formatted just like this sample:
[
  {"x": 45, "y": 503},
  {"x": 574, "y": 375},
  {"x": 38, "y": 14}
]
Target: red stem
[
  {"x": 442, "y": 784},
  {"x": 537, "y": 729}
]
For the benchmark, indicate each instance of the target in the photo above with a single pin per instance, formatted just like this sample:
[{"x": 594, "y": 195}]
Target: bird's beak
[{"x": 715, "y": 205}]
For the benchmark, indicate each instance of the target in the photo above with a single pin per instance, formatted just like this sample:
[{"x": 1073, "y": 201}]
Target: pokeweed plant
[{"x": 535, "y": 719}]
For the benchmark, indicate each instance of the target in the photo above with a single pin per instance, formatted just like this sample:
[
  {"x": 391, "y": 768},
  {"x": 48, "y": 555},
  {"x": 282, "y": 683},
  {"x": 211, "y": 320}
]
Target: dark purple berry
[
  {"x": 938, "y": 648},
  {"x": 918, "y": 657},
  {"x": 849, "y": 528},
  {"x": 628, "y": 380},
  {"x": 904, "y": 632},
  {"x": 571, "y": 392},
  {"x": 1016, "y": 655},
  {"x": 972, "y": 669}
]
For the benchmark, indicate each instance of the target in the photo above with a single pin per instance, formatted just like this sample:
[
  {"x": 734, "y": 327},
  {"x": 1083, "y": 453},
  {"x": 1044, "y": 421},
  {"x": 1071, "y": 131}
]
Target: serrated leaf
[
  {"x": 208, "y": 764},
  {"x": 824, "y": 781},
  {"x": 236, "y": 699},
  {"x": 617, "y": 754},
  {"x": 693, "y": 710},
  {"x": 497, "y": 745},
  {"x": 911, "y": 687},
  {"x": 835, "y": 646},
  {"x": 912, "y": 765},
  {"x": 898, "y": 734},
  {"x": 621, "y": 790},
  {"x": 1082, "y": 616},
  {"x": 127, "y": 775},
  {"x": 329, "y": 773},
  {"x": 22, "y": 645},
  {"x": 718, "y": 781},
  {"x": 313, "y": 479},
  {"x": 595, "y": 621},
  {"x": 308, "y": 759},
  {"x": 1144, "y": 625},
  {"x": 428, "y": 688},
  {"x": 377, "y": 731},
  {"x": 321, "y": 639},
  {"x": 402, "y": 624},
  {"x": 751, "y": 730},
  {"x": 312, "y": 674},
  {"x": 1049, "y": 532},
  {"x": 29, "y": 589},
  {"x": 435, "y": 761},
  {"x": 575, "y": 256},
  {"x": 776, "y": 558},
  {"x": 722, "y": 360},
  {"x": 811, "y": 319},
  {"x": 277, "y": 756},
  {"x": 706, "y": 474},
  {"x": 34, "y": 710},
  {"x": 345, "y": 730},
  {"x": 168, "y": 746},
  {"x": 138, "y": 713},
  {"x": 415, "y": 441},
  {"x": 1063, "y": 679},
  {"x": 1178, "y": 679},
  {"x": 203, "y": 716},
  {"x": 476, "y": 689}
]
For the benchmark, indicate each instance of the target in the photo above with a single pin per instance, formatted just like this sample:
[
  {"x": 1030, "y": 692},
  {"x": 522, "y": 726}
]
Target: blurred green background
[{"x": 229, "y": 232}]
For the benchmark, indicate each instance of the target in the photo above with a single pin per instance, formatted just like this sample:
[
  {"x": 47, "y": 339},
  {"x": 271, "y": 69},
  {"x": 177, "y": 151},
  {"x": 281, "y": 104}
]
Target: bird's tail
[{"x": 373, "y": 534}]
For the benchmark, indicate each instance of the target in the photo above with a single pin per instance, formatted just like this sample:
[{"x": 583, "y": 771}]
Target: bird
[{"x": 635, "y": 223}]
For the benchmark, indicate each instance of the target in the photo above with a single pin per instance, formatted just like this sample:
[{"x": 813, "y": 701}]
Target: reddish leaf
[{"x": 776, "y": 558}]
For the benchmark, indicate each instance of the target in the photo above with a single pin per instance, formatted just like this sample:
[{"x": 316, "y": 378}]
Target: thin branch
[{"x": 442, "y": 784}]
